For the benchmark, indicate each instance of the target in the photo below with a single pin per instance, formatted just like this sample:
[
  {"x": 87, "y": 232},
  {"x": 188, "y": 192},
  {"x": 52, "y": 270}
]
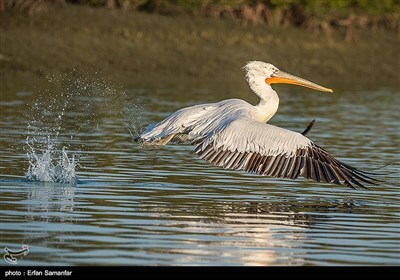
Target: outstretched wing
[
  {"x": 245, "y": 144},
  {"x": 175, "y": 127}
]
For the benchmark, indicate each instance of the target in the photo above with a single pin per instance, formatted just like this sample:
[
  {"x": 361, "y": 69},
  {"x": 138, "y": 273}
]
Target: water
[{"x": 96, "y": 198}]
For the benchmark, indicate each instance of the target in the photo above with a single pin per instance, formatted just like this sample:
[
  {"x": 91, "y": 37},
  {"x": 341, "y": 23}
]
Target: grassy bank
[{"x": 149, "y": 50}]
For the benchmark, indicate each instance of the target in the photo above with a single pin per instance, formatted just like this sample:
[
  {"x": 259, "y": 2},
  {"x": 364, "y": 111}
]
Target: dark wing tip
[
  {"x": 308, "y": 129},
  {"x": 311, "y": 162},
  {"x": 335, "y": 171}
]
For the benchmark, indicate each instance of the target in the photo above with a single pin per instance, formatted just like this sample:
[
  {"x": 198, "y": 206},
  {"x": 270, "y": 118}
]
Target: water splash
[
  {"x": 50, "y": 164},
  {"x": 61, "y": 117},
  {"x": 133, "y": 113}
]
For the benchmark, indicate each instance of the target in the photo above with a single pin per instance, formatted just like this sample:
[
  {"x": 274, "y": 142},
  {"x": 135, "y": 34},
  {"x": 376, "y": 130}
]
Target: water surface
[{"x": 133, "y": 206}]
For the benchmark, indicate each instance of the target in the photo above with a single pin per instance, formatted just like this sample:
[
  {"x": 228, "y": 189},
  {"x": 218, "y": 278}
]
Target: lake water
[{"x": 132, "y": 206}]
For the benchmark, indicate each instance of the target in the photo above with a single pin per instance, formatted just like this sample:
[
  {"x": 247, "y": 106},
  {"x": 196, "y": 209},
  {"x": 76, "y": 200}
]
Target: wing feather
[
  {"x": 245, "y": 144},
  {"x": 228, "y": 135}
]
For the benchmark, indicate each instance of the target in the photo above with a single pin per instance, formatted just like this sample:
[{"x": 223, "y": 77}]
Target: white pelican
[{"x": 234, "y": 134}]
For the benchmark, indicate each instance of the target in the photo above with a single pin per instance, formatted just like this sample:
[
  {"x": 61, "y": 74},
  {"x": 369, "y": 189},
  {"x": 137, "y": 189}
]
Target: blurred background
[{"x": 161, "y": 43}]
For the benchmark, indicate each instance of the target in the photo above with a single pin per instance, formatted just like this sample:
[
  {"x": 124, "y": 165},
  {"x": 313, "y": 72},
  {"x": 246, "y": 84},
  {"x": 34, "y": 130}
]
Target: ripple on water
[{"x": 133, "y": 206}]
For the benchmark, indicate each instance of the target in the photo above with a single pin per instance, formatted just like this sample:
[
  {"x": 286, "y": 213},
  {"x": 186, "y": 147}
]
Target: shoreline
[{"x": 136, "y": 49}]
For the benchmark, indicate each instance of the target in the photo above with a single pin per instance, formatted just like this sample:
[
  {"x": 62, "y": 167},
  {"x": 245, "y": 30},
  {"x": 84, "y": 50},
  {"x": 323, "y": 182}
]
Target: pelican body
[{"x": 234, "y": 134}]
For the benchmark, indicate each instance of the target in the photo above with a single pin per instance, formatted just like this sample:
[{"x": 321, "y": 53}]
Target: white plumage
[{"x": 233, "y": 134}]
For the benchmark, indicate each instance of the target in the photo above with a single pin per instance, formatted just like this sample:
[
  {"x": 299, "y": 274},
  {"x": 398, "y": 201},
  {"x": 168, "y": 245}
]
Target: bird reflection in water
[{"x": 256, "y": 233}]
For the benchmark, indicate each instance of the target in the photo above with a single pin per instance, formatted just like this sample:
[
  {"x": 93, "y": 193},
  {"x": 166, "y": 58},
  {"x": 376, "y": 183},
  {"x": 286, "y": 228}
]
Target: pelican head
[{"x": 256, "y": 70}]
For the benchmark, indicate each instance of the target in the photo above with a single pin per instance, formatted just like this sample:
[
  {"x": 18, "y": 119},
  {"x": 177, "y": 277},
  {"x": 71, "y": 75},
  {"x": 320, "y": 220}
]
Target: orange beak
[{"x": 281, "y": 77}]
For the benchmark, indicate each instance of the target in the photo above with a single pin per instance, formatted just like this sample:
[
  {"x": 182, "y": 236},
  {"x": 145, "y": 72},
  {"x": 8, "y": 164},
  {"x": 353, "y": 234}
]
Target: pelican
[{"x": 235, "y": 135}]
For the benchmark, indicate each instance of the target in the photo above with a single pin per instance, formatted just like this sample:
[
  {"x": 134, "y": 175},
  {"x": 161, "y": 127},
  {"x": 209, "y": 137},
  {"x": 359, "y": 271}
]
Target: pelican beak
[{"x": 281, "y": 77}]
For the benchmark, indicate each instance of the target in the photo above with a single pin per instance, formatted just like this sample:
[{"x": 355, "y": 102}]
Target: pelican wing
[
  {"x": 246, "y": 144},
  {"x": 174, "y": 127}
]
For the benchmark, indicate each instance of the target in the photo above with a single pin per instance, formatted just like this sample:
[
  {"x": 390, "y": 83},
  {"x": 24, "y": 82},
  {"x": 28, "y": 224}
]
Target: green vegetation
[
  {"x": 321, "y": 7},
  {"x": 137, "y": 49},
  {"x": 331, "y": 13},
  {"x": 318, "y": 7}
]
